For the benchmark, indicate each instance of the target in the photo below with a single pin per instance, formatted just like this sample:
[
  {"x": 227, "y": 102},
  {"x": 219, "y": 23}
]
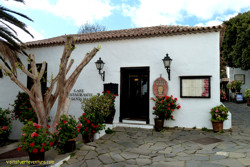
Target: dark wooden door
[{"x": 135, "y": 93}]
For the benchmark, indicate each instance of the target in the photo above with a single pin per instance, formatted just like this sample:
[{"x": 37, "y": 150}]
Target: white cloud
[
  {"x": 217, "y": 21},
  {"x": 80, "y": 11},
  {"x": 169, "y": 12},
  {"x": 24, "y": 37}
]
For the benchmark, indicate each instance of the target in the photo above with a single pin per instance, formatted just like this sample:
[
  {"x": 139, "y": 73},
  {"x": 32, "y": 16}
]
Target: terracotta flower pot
[
  {"x": 88, "y": 138},
  {"x": 36, "y": 157},
  {"x": 158, "y": 124},
  {"x": 217, "y": 126}
]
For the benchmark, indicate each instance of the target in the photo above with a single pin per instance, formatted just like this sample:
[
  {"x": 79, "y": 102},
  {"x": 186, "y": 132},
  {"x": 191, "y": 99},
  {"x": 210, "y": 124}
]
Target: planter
[
  {"x": 158, "y": 124},
  {"x": 217, "y": 126},
  {"x": 248, "y": 102},
  {"x": 70, "y": 145},
  {"x": 109, "y": 119},
  {"x": 88, "y": 138},
  {"x": 36, "y": 157}
]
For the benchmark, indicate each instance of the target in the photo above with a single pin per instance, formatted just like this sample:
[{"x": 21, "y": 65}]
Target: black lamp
[
  {"x": 167, "y": 62},
  {"x": 99, "y": 65}
]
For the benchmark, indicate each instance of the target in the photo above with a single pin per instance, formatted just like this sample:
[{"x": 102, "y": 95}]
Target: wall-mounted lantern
[
  {"x": 167, "y": 62},
  {"x": 99, "y": 65}
]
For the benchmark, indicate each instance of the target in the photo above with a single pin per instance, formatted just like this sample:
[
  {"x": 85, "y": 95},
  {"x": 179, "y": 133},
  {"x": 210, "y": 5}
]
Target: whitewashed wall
[
  {"x": 233, "y": 71},
  {"x": 194, "y": 54}
]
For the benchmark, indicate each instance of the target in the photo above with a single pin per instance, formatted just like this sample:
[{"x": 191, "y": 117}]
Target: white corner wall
[{"x": 193, "y": 55}]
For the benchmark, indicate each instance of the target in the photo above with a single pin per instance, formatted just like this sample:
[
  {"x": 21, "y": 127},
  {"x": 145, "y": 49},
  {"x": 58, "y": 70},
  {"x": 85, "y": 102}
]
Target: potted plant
[
  {"x": 5, "y": 125},
  {"x": 247, "y": 96},
  {"x": 101, "y": 105},
  {"x": 218, "y": 115},
  {"x": 234, "y": 86},
  {"x": 90, "y": 124},
  {"x": 36, "y": 140},
  {"x": 163, "y": 109},
  {"x": 66, "y": 133},
  {"x": 110, "y": 113},
  {"x": 223, "y": 96}
]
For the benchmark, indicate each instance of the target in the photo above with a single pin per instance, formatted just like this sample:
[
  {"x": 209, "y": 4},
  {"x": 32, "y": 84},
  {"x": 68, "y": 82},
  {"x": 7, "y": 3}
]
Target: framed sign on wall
[
  {"x": 240, "y": 77},
  {"x": 195, "y": 87}
]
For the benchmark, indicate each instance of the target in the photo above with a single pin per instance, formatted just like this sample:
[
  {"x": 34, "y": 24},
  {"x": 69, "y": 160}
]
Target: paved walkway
[{"x": 173, "y": 147}]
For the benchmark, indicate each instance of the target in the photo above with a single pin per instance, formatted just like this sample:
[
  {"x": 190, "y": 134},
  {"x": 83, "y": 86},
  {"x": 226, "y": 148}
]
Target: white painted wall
[
  {"x": 233, "y": 71},
  {"x": 193, "y": 54}
]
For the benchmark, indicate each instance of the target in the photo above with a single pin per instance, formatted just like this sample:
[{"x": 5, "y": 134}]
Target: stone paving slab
[{"x": 174, "y": 147}]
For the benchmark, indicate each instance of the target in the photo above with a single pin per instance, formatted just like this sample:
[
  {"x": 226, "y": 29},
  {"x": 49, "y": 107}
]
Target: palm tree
[{"x": 10, "y": 45}]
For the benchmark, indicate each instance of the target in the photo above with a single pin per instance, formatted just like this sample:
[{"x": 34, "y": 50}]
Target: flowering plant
[
  {"x": 219, "y": 113},
  {"x": 165, "y": 106},
  {"x": 35, "y": 138},
  {"x": 102, "y": 105},
  {"x": 247, "y": 94},
  {"x": 89, "y": 124},
  {"x": 234, "y": 85},
  {"x": 223, "y": 95},
  {"x": 5, "y": 125},
  {"x": 66, "y": 130},
  {"x": 23, "y": 109}
]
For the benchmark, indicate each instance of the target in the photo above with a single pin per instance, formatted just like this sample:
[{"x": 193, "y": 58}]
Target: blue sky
[{"x": 59, "y": 17}]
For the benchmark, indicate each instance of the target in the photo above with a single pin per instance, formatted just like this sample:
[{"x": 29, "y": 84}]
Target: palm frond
[{"x": 13, "y": 20}]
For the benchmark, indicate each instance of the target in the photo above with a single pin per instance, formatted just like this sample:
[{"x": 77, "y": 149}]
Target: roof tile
[{"x": 126, "y": 34}]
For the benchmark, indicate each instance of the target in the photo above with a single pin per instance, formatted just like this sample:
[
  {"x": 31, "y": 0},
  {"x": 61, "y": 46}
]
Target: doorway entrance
[{"x": 135, "y": 94}]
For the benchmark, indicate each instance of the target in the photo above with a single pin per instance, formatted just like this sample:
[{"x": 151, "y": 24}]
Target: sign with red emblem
[{"x": 160, "y": 87}]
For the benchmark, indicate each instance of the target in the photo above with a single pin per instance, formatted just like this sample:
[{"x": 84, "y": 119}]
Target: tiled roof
[{"x": 144, "y": 32}]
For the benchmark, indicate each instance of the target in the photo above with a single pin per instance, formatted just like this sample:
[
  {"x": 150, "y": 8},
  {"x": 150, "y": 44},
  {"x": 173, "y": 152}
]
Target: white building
[
  {"x": 239, "y": 75},
  {"x": 133, "y": 60}
]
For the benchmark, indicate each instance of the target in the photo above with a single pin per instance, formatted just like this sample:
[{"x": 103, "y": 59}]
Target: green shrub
[
  {"x": 5, "y": 125},
  {"x": 23, "y": 109}
]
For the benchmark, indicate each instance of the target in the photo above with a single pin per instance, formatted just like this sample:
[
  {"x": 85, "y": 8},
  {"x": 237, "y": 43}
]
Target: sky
[{"x": 53, "y": 18}]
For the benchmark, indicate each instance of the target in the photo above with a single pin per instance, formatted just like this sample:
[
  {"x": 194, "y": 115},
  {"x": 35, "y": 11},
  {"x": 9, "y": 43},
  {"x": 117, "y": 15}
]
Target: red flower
[
  {"x": 88, "y": 121},
  {"x": 19, "y": 148},
  {"x": 78, "y": 130},
  {"x": 83, "y": 114},
  {"x": 175, "y": 98},
  {"x": 44, "y": 144},
  {"x": 51, "y": 143},
  {"x": 97, "y": 126},
  {"x": 168, "y": 104},
  {"x": 173, "y": 110},
  {"x": 65, "y": 122},
  {"x": 30, "y": 119},
  {"x": 48, "y": 126},
  {"x": 35, "y": 150},
  {"x": 42, "y": 150},
  {"x": 103, "y": 92},
  {"x": 93, "y": 131},
  {"x": 85, "y": 119},
  {"x": 168, "y": 108},
  {"x": 178, "y": 107},
  {"x": 4, "y": 128},
  {"x": 172, "y": 117},
  {"x": 32, "y": 144},
  {"x": 108, "y": 92},
  {"x": 153, "y": 108}
]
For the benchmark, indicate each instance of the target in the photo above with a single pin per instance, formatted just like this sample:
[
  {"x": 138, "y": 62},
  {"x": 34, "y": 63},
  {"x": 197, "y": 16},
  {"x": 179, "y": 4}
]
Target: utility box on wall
[{"x": 112, "y": 87}]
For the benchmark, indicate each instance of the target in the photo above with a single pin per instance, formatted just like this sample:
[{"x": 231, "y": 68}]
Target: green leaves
[
  {"x": 236, "y": 42},
  {"x": 219, "y": 113}
]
